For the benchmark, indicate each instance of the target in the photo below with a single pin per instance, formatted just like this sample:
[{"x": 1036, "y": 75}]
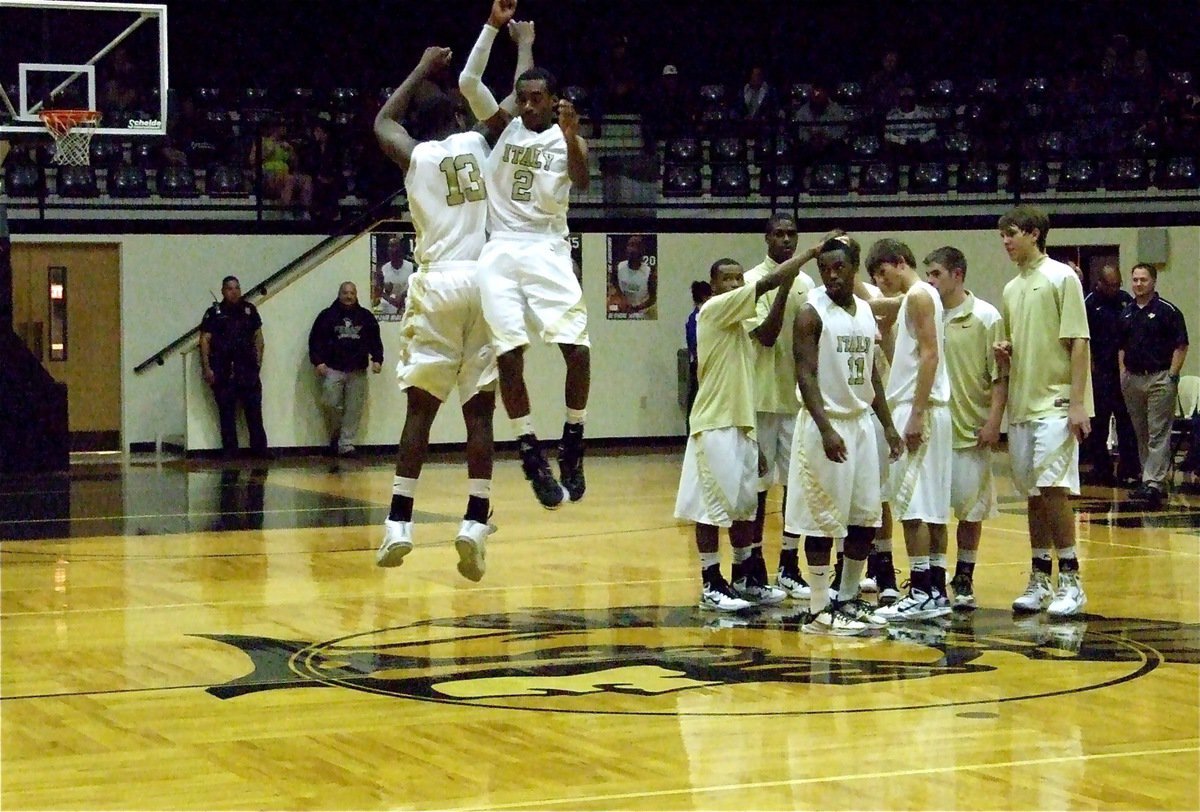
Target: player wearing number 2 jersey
[
  {"x": 525, "y": 269},
  {"x": 444, "y": 341}
]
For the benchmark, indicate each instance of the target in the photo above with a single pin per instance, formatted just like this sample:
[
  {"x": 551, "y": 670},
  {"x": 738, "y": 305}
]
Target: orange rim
[{"x": 62, "y": 121}]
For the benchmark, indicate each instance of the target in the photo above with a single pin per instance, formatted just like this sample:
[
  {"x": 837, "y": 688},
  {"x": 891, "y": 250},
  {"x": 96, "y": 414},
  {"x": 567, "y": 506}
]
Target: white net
[{"x": 72, "y": 131}]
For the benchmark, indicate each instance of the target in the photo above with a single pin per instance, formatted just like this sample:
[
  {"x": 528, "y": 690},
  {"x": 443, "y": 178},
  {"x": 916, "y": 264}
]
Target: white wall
[{"x": 166, "y": 283}]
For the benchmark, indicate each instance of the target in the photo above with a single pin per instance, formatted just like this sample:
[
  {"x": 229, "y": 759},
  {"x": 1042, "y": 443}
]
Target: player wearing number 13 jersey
[
  {"x": 444, "y": 343},
  {"x": 525, "y": 270}
]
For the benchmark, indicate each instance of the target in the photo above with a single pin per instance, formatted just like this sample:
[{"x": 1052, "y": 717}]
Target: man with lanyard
[{"x": 1154, "y": 344}]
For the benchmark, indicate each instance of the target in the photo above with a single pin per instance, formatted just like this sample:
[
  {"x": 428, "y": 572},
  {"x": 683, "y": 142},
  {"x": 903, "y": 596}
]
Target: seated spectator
[
  {"x": 673, "y": 110},
  {"x": 883, "y": 88},
  {"x": 120, "y": 89},
  {"x": 757, "y": 101},
  {"x": 280, "y": 164},
  {"x": 621, "y": 79},
  {"x": 821, "y": 123},
  {"x": 909, "y": 129},
  {"x": 321, "y": 160}
]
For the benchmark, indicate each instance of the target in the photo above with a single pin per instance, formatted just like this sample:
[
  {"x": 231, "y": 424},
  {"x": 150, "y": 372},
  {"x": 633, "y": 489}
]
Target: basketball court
[
  {"x": 177, "y": 634},
  {"x": 181, "y": 635}
]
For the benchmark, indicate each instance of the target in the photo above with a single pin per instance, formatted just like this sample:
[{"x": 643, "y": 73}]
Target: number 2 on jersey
[
  {"x": 456, "y": 192},
  {"x": 522, "y": 183},
  {"x": 858, "y": 368}
]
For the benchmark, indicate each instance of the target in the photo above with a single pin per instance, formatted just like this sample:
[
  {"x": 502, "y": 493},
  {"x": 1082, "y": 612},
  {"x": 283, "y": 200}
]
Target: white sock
[
  {"x": 741, "y": 554},
  {"x": 819, "y": 585},
  {"x": 881, "y": 546},
  {"x": 576, "y": 416},
  {"x": 852, "y": 570},
  {"x": 404, "y": 486},
  {"x": 710, "y": 560},
  {"x": 522, "y": 425},
  {"x": 967, "y": 556},
  {"x": 481, "y": 488},
  {"x": 790, "y": 542}
]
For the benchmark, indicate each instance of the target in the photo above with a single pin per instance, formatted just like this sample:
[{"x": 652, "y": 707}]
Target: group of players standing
[
  {"x": 866, "y": 402},
  {"x": 791, "y": 378}
]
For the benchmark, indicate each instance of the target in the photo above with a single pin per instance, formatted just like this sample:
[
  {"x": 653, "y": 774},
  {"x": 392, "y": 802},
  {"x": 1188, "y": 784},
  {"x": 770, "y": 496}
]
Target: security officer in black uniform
[
  {"x": 1154, "y": 344},
  {"x": 1105, "y": 305},
  {"x": 231, "y": 353}
]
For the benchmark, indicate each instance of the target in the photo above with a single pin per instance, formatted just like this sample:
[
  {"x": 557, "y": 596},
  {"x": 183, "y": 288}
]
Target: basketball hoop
[{"x": 72, "y": 131}]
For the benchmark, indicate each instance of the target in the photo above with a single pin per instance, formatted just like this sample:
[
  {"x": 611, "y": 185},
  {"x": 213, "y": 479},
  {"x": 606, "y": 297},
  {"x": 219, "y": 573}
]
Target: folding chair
[{"x": 1185, "y": 431}]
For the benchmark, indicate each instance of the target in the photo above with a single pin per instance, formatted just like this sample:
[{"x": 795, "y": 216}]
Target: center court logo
[{"x": 661, "y": 660}]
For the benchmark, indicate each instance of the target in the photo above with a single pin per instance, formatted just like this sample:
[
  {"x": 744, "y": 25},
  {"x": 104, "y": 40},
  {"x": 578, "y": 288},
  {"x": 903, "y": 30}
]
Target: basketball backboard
[{"x": 108, "y": 57}]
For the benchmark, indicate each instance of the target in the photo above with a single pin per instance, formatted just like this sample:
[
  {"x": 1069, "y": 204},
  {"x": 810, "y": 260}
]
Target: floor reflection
[{"x": 89, "y": 502}]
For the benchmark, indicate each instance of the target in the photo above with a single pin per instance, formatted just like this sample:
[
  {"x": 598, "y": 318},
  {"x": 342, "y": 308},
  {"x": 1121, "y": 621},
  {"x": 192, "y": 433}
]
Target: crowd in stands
[{"x": 307, "y": 150}]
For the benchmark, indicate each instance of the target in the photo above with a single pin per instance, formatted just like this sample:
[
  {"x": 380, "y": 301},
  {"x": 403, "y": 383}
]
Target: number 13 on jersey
[{"x": 458, "y": 192}]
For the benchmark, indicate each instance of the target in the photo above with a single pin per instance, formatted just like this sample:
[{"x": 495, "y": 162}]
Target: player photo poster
[
  {"x": 632, "y": 277},
  {"x": 391, "y": 267}
]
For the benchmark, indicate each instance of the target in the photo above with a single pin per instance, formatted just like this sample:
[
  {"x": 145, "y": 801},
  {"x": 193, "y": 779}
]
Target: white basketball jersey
[
  {"x": 529, "y": 188},
  {"x": 634, "y": 282},
  {"x": 845, "y": 353},
  {"x": 447, "y": 198},
  {"x": 906, "y": 359}
]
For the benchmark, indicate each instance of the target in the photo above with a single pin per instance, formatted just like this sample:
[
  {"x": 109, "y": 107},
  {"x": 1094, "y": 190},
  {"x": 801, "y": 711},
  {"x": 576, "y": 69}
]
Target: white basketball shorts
[
  {"x": 720, "y": 473},
  {"x": 919, "y": 482},
  {"x": 444, "y": 343},
  {"x": 824, "y": 497},
  {"x": 775, "y": 432},
  {"x": 972, "y": 488},
  {"x": 530, "y": 275},
  {"x": 1044, "y": 455}
]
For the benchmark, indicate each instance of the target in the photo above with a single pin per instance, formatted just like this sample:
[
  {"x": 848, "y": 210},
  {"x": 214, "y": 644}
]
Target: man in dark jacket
[{"x": 343, "y": 341}]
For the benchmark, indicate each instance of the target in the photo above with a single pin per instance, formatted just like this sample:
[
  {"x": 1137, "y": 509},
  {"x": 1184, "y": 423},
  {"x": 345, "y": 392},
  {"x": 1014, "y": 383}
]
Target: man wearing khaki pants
[{"x": 1154, "y": 344}]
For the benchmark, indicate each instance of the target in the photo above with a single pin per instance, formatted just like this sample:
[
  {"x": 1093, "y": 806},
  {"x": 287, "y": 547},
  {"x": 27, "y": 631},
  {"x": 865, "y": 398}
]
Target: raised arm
[
  {"x": 522, "y": 34},
  {"x": 393, "y": 138},
  {"x": 767, "y": 332},
  {"x": 788, "y": 269},
  {"x": 470, "y": 81},
  {"x": 577, "y": 151}
]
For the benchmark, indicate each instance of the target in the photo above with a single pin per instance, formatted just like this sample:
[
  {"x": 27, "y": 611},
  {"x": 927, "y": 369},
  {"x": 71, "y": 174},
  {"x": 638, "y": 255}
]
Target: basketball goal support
[{"x": 117, "y": 40}]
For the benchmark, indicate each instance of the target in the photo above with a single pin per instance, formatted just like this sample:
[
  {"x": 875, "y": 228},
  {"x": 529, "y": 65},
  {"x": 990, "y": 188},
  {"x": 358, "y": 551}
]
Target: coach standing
[
  {"x": 343, "y": 342},
  {"x": 1154, "y": 344},
  {"x": 1105, "y": 306},
  {"x": 231, "y": 353}
]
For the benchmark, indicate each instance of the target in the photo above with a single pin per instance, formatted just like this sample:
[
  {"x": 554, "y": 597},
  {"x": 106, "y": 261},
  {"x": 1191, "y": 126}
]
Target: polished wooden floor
[{"x": 180, "y": 636}]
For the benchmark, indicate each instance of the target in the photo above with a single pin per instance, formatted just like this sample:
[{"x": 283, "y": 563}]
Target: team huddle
[{"x": 872, "y": 401}]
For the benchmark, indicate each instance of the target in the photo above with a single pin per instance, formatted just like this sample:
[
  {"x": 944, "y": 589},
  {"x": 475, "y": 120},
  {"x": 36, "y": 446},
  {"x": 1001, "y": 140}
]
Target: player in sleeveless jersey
[
  {"x": 833, "y": 486},
  {"x": 918, "y": 392},
  {"x": 525, "y": 268},
  {"x": 444, "y": 341}
]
